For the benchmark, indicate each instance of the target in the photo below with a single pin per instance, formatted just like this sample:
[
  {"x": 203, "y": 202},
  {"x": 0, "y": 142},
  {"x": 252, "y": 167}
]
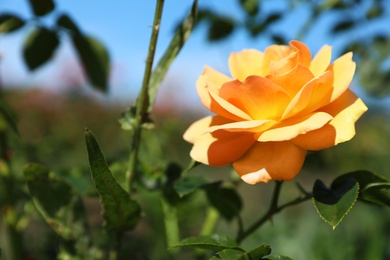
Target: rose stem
[
  {"x": 273, "y": 209},
  {"x": 143, "y": 98}
]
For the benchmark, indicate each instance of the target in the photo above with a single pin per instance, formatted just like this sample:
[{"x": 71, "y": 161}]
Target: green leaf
[
  {"x": 66, "y": 22},
  {"x": 119, "y": 210},
  {"x": 251, "y": 7},
  {"x": 181, "y": 36},
  {"x": 334, "y": 203},
  {"x": 279, "y": 257},
  {"x": 372, "y": 187},
  {"x": 187, "y": 185},
  {"x": 220, "y": 28},
  {"x": 39, "y": 47},
  {"x": 56, "y": 201},
  {"x": 10, "y": 118},
  {"x": 343, "y": 26},
  {"x": 95, "y": 60},
  {"x": 232, "y": 254},
  {"x": 378, "y": 193},
  {"x": 10, "y": 23},
  {"x": 225, "y": 200},
  {"x": 213, "y": 243},
  {"x": 260, "y": 251},
  {"x": 362, "y": 177},
  {"x": 41, "y": 7}
]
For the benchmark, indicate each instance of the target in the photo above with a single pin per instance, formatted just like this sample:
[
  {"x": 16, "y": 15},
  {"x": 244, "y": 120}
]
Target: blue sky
[{"x": 124, "y": 28}]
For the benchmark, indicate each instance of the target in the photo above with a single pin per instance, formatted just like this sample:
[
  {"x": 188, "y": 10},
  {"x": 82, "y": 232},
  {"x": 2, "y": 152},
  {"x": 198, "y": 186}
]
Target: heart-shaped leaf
[
  {"x": 334, "y": 203},
  {"x": 373, "y": 188}
]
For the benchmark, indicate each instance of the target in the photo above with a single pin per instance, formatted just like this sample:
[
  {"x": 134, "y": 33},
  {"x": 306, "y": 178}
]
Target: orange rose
[{"x": 278, "y": 105}]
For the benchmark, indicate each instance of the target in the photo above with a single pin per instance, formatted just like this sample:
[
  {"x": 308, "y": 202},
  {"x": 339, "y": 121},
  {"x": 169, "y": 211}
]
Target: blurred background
[{"x": 55, "y": 102}]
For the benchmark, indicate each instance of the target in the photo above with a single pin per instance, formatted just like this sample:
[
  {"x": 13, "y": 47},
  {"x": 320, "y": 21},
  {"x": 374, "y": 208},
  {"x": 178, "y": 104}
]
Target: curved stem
[
  {"x": 143, "y": 98},
  {"x": 273, "y": 209}
]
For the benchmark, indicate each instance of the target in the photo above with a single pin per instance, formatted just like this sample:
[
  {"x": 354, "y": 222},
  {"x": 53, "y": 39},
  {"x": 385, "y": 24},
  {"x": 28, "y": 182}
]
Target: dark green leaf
[
  {"x": 232, "y": 254},
  {"x": 375, "y": 11},
  {"x": 41, "y": 7},
  {"x": 10, "y": 23},
  {"x": 66, "y": 22},
  {"x": 279, "y": 257},
  {"x": 378, "y": 193},
  {"x": 278, "y": 39},
  {"x": 260, "y": 251},
  {"x": 251, "y": 7},
  {"x": 187, "y": 185},
  {"x": 39, "y": 47},
  {"x": 362, "y": 177},
  {"x": 372, "y": 187},
  {"x": 94, "y": 58},
  {"x": 182, "y": 34},
  {"x": 220, "y": 28},
  {"x": 213, "y": 242},
  {"x": 9, "y": 117},
  {"x": 271, "y": 18},
  {"x": 55, "y": 200},
  {"x": 119, "y": 210},
  {"x": 343, "y": 26},
  {"x": 334, "y": 203},
  {"x": 225, "y": 200}
]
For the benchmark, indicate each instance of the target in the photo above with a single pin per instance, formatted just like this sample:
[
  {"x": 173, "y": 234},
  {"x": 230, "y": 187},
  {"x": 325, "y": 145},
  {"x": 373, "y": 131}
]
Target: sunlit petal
[
  {"x": 343, "y": 69},
  {"x": 345, "y": 110},
  {"x": 321, "y": 61},
  {"x": 258, "y": 97},
  {"x": 246, "y": 63},
  {"x": 270, "y": 161},
  {"x": 221, "y": 147},
  {"x": 295, "y": 126}
]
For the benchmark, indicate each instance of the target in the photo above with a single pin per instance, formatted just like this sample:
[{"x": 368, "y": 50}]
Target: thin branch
[{"x": 273, "y": 209}]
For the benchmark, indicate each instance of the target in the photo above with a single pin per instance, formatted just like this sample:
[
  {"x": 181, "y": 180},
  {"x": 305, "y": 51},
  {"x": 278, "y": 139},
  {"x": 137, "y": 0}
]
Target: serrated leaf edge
[{"x": 349, "y": 209}]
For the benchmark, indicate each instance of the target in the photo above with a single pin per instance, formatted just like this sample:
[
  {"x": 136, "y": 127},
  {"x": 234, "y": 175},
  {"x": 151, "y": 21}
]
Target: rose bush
[{"x": 278, "y": 104}]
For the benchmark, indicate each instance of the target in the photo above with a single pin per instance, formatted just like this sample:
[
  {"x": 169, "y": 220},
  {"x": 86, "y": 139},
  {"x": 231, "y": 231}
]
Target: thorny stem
[
  {"x": 143, "y": 98},
  {"x": 273, "y": 209}
]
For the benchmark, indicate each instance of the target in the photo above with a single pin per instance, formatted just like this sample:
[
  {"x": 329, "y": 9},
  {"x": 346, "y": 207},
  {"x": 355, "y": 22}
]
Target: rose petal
[
  {"x": 223, "y": 108},
  {"x": 210, "y": 81},
  {"x": 304, "y": 55},
  {"x": 245, "y": 63},
  {"x": 295, "y": 126},
  {"x": 277, "y": 59},
  {"x": 244, "y": 126},
  {"x": 315, "y": 94},
  {"x": 293, "y": 80},
  {"x": 270, "y": 161},
  {"x": 221, "y": 147},
  {"x": 199, "y": 127},
  {"x": 343, "y": 69},
  {"x": 321, "y": 61},
  {"x": 345, "y": 110},
  {"x": 258, "y": 97}
]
